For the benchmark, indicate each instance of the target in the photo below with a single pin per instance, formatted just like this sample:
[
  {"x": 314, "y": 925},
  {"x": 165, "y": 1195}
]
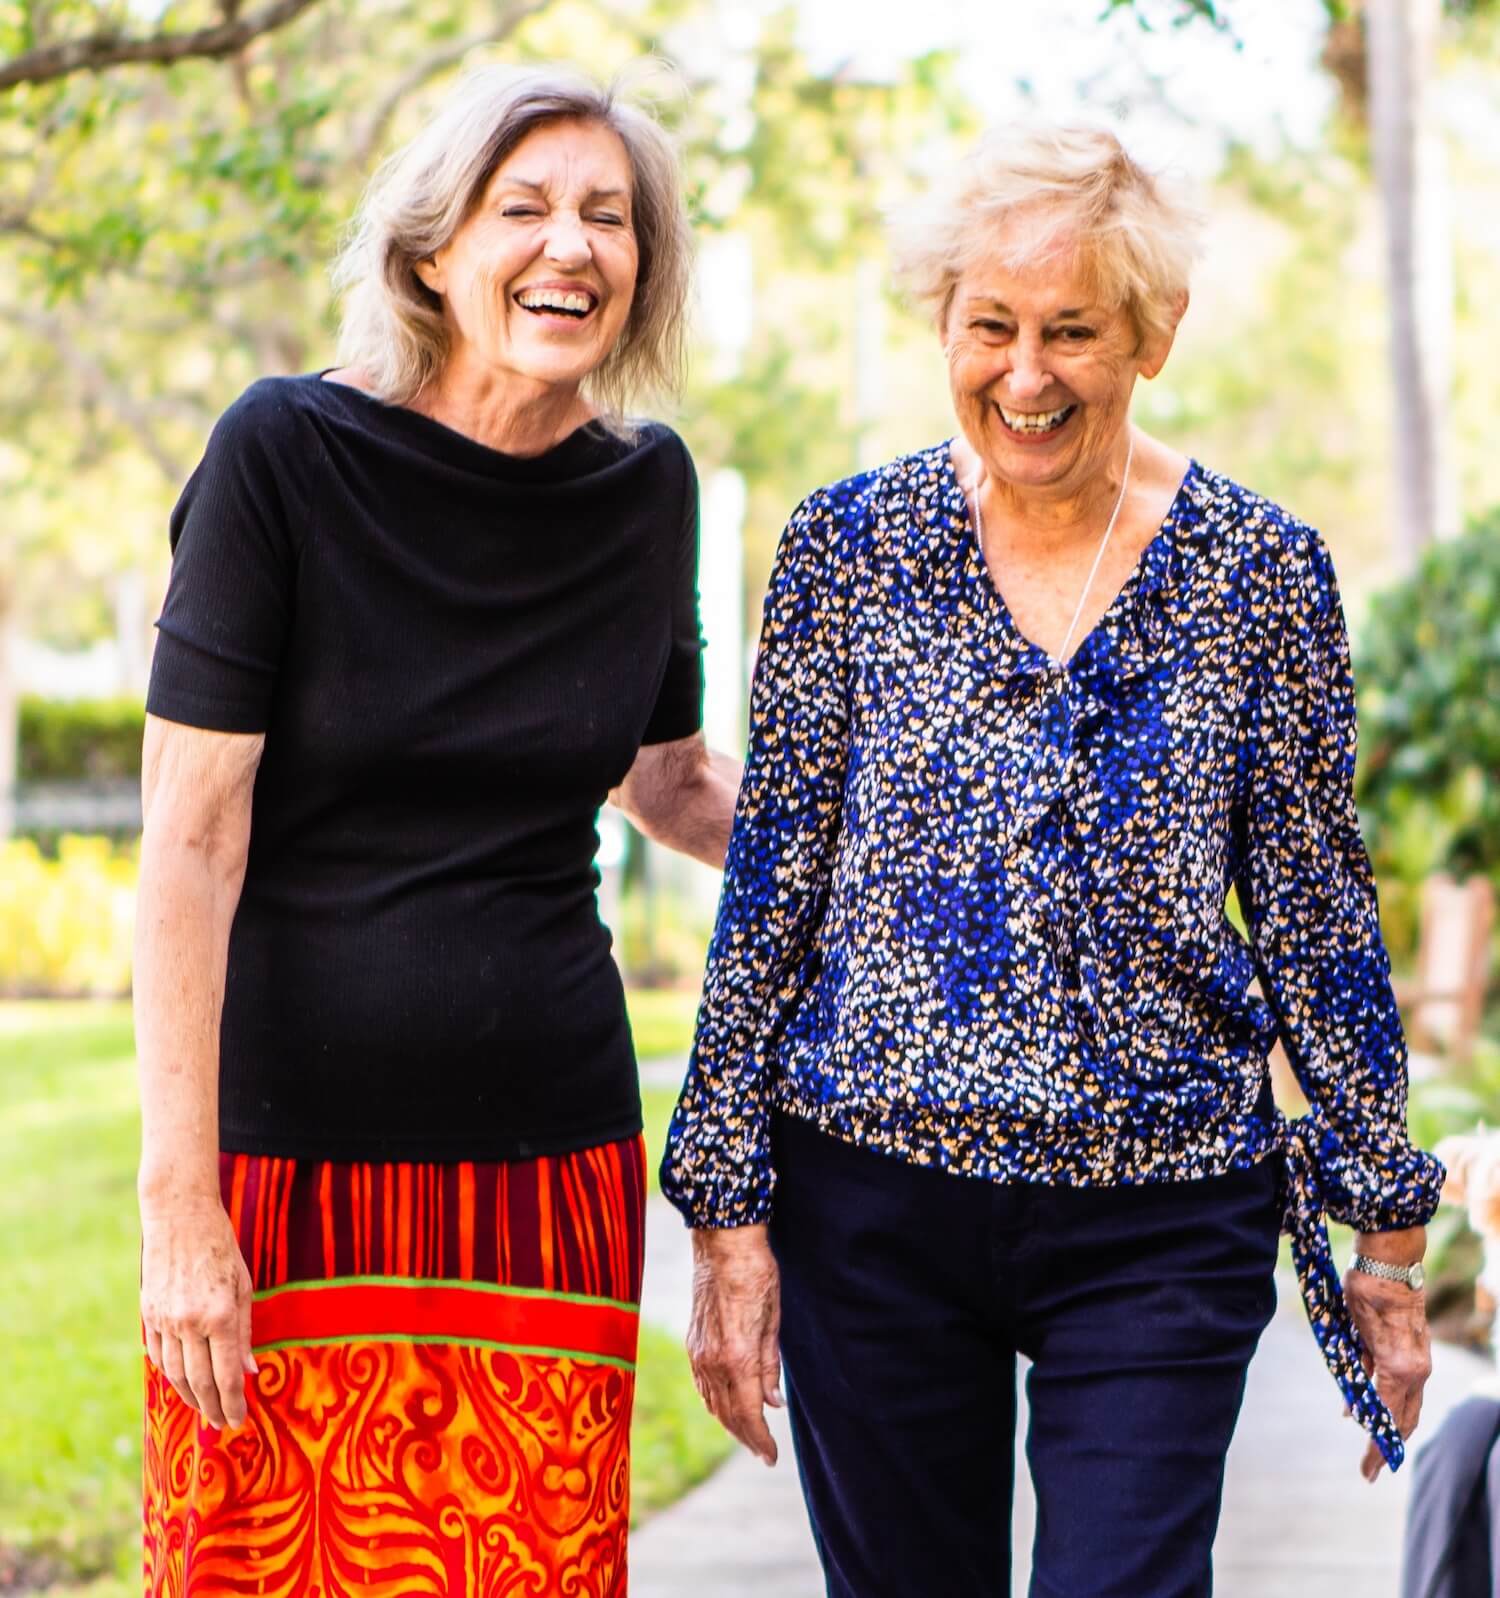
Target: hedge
[
  {"x": 1429, "y": 689},
  {"x": 80, "y": 740}
]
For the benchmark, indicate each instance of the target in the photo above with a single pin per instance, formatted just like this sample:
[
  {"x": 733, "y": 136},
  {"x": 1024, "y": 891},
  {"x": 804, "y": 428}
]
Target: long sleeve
[
  {"x": 717, "y": 1167},
  {"x": 1309, "y": 899}
]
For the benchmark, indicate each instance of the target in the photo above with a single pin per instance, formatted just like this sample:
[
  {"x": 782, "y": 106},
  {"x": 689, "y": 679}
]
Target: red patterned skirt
[{"x": 447, "y": 1367}]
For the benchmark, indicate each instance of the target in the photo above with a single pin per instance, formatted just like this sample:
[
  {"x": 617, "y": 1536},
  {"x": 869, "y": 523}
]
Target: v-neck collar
[{"x": 1147, "y": 576}]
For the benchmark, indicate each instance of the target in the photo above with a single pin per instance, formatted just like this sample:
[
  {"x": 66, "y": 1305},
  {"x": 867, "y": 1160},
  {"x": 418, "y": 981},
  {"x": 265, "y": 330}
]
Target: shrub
[
  {"x": 83, "y": 740},
  {"x": 1429, "y": 677},
  {"x": 66, "y": 924}
]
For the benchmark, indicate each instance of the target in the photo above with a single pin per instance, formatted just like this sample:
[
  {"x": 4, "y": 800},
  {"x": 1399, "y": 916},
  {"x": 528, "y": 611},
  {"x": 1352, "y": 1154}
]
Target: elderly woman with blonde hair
[
  {"x": 981, "y": 1070},
  {"x": 426, "y": 612}
]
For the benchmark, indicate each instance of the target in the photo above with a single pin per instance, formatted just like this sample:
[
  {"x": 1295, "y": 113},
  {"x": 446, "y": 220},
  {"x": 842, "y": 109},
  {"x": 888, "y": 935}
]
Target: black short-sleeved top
[{"x": 453, "y": 654}]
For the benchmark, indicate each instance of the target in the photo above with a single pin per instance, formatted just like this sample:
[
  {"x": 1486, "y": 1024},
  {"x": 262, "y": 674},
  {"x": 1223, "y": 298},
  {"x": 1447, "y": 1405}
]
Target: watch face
[{"x": 1416, "y": 1276}]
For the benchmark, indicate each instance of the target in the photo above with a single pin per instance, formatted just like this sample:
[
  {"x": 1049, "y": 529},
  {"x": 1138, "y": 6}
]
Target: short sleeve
[
  {"x": 678, "y": 712},
  {"x": 229, "y": 599}
]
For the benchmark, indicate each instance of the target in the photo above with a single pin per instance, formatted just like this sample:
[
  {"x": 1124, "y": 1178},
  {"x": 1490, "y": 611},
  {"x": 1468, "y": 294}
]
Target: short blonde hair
[
  {"x": 392, "y": 327},
  {"x": 1072, "y": 187}
]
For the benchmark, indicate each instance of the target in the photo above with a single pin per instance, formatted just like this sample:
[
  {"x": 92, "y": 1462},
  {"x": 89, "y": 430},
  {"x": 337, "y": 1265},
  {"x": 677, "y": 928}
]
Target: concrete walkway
[{"x": 1298, "y": 1518}]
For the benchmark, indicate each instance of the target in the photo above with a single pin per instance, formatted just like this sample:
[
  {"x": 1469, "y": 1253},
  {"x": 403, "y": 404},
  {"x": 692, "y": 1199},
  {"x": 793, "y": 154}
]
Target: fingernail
[{"x": 777, "y": 1399}]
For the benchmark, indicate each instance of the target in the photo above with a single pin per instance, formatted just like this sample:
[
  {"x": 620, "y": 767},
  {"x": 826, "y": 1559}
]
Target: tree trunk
[{"x": 1402, "y": 37}]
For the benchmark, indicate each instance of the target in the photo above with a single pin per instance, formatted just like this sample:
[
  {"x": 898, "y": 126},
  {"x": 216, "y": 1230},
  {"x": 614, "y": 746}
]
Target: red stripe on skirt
[{"x": 368, "y": 1311}]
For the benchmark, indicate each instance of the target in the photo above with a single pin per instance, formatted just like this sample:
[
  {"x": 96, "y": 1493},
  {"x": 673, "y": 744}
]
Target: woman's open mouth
[
  {"x": 1035, "y": 424},
  {"x": 557, "y": 304}
]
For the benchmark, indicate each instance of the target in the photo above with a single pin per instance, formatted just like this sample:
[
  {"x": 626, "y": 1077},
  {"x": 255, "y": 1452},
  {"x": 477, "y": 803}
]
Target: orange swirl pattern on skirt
[{"x": 447, "y": 1368}]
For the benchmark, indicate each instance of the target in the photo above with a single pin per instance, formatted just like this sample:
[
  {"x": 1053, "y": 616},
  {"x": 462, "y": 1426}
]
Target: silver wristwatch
[{"x": 1412, "y": 1275}]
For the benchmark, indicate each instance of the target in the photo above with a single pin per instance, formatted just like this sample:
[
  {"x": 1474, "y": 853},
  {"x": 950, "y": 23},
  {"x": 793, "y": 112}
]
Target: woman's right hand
[
  {"x": 733, "y": 1339},
  {"x": 195, "y": 1302}
]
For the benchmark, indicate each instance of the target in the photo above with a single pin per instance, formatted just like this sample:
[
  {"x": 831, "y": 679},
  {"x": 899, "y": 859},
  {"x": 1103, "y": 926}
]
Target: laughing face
[
  {"x": 1041, "y": 374},
  {"x": 537, "y": 282}
]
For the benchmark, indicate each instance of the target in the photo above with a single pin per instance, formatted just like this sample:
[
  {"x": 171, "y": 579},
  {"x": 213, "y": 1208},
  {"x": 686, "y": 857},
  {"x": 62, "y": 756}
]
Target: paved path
[{"x": 1298, "y": 1518}]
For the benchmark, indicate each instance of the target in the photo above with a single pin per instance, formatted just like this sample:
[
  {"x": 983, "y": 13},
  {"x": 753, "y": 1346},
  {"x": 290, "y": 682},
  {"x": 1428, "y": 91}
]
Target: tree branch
[
  {"x": 108, "y": 49},
  {"x": 18, "y": 223},
  {"x": 99, "y": 386},
  {"x": 375, "y": 125}
]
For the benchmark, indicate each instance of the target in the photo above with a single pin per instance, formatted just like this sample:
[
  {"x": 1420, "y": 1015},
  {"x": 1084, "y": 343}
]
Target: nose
[
  {"x": 567, "y": 244},
  {"x": 1027, "y": 376}
]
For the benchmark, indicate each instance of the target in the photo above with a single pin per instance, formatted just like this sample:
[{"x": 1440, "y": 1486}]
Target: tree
[
  {"x": 1418, "y": 227},
  {"x": 169, "y": 196},
  {"x": 1383, "y": 54},
  {"x": 168, "y": 202}
]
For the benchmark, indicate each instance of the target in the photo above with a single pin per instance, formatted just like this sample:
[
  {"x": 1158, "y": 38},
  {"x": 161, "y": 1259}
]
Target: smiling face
[
  {"x": 538, "y": 281},
  {"x": 1040, "y": 372}
]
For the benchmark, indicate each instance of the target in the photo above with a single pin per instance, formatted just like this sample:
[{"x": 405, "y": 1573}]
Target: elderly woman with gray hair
[
  {"x": 980, "y": 1069},
  {"x": 426, "y": 612}
]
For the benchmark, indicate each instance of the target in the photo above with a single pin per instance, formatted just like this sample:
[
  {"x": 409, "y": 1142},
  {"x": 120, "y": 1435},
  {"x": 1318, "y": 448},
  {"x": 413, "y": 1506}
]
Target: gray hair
[
  {"x": 1070, "y": 186},
  {"x": 392, "y": 327}
]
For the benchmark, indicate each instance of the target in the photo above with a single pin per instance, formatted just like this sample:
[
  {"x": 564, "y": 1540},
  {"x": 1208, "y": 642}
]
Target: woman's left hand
[{"x": 1391, "y": 1320}]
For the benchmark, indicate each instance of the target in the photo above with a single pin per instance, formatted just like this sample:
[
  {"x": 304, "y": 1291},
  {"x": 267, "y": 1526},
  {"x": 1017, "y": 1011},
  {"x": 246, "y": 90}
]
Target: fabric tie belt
[{"x": 1344, "y": 1351}]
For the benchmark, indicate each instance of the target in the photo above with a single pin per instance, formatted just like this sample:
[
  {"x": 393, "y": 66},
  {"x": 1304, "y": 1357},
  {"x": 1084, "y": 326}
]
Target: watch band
[{"x": 1411, "y": 1275}]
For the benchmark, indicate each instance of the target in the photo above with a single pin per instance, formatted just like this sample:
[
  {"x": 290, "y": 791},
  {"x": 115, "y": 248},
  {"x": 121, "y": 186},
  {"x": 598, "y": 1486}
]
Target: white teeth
[
  {"x": 1033, "y": 421},
  {"x": 554, "y": 300}
]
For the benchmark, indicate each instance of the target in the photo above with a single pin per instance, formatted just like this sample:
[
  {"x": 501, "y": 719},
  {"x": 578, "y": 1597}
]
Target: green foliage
[
  {"x": 661, "y": 1021},
  {"x": 1276, "y": 386},
  {"x": 93, "y": 740},
  {"x": 66, "y": 925},
  {"x": 1429, "y": 675},
  {"x": 1180, "y": 14},
  {"x": 660, "y": 938},
  {"x": 165, "y": 234}
]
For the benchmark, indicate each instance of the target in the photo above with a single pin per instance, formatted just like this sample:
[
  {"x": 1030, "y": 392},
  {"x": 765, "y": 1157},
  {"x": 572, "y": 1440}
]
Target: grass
[
  {"x": 70, "y": 1382},
  {"x": 661, "y": 1020}
]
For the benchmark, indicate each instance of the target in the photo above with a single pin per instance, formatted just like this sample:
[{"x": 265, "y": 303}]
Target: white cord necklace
[{"x": 978, "y": 483}]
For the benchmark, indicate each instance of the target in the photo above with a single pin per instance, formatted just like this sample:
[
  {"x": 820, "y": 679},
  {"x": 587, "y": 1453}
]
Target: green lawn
[
  {"x": 661, "y": 1020},
  {"x": 70, "y": 1380}
]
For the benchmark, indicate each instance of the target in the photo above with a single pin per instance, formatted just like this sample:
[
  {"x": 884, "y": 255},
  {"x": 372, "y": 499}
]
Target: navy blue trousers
[{"x": 907, "y": 1295}]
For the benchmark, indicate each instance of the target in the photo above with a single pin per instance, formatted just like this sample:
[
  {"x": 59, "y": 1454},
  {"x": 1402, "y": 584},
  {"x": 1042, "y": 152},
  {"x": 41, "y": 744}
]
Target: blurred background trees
[{"x": 173, "y": 181}]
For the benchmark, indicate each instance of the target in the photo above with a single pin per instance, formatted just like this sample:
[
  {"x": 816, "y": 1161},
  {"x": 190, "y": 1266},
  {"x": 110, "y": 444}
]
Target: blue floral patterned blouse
[{"x": 974, "y": 910}]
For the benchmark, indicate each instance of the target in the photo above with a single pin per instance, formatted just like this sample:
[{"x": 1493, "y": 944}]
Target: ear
[
  {"x": 1457, "y": 1154},
  {"x": 1155, "y": 351},
  {"x": 430, "y": 274}
]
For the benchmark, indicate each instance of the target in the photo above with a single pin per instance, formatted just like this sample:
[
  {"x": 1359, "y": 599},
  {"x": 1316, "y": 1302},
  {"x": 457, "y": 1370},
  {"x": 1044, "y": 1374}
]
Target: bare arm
[
  {"x": 682, "y": 794},
  {"x": 195, "y": 1288}
]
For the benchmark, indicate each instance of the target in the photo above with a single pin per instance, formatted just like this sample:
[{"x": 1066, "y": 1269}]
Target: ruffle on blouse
[{"x": 1144, "y": 630}]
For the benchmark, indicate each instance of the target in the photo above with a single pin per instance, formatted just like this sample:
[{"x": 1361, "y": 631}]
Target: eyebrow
[
  {"x": 541, "y": 188},
  {"x": 1065, "y": 315}
]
